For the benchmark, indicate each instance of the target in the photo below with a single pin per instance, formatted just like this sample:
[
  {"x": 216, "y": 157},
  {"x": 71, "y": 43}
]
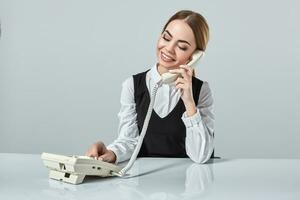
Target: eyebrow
[{"x": 178, "y": 40}]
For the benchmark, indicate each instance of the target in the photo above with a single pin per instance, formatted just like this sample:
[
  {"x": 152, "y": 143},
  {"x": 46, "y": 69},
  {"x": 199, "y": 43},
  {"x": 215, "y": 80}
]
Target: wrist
[{"x": 190, "y": 108}]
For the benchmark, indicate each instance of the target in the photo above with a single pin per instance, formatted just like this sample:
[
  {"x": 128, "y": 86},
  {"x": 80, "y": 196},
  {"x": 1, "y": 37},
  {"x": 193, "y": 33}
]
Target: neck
[{"x": 161, "y": 69}]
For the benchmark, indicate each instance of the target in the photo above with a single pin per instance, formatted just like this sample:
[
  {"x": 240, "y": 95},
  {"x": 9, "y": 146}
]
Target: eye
[
  {"x": 165, "y": 38},
  {"x": 182, "y": 48}
]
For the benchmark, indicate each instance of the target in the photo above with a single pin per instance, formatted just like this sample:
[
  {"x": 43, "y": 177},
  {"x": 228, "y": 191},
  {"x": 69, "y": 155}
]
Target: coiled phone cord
[{"x": 143, "y": 133}]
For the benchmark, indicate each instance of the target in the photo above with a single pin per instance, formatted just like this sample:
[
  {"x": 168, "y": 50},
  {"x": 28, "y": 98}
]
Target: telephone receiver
[{"x": 169, "y": 78}]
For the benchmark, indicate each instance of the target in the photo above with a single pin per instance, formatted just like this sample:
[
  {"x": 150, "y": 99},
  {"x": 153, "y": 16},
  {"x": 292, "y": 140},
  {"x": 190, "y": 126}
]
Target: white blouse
[{"x": 199, "y": 127}]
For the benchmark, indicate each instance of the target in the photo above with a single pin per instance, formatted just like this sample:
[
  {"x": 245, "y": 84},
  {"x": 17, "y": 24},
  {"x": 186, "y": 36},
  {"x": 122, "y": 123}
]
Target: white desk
[{"x": 23, "y": 176}]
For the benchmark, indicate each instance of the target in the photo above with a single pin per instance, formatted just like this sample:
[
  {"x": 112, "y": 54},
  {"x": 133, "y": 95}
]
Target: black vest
[{"x": 165, "y": 137}]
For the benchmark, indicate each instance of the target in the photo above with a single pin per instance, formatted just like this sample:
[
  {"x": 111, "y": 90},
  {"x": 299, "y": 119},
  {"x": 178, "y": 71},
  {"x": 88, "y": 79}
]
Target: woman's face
[{"x": 175, "y": 45}]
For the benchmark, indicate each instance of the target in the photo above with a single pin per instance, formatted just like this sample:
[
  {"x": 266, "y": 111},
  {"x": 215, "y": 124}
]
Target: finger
[
  {"x": 187, "y": 68},
  {"x": 180, "y": 80},
  {"x": 182, "y": 72},
  {"x": 180, "y": 87},
  {"x": 93, "y": 155},
  {"x": 100, "y": 158},
  {"x": 100, "y": 148},
  {"x": 179, "y": 90},
  {"x": 188, "y": 72},
  {"x": 92, "y": 152},
  {"x": 182, "y": 84},
  {"x": 105, "y": 157}
]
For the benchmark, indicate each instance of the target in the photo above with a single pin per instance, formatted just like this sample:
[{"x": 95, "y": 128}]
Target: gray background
[{"x": 62, "y": 64}]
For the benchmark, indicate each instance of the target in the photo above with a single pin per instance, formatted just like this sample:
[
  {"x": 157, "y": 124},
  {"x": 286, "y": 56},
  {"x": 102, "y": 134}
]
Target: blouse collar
[{"x": 155, "y": 76}]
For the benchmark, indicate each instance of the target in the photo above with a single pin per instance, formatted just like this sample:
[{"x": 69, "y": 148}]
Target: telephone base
[
  {"x": 73, "y": 169},
  {"x": 66, "y": 177}
]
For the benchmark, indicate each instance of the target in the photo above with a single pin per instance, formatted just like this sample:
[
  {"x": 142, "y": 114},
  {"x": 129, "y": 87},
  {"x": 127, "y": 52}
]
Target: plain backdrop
[{"x": 62, "y": 63}]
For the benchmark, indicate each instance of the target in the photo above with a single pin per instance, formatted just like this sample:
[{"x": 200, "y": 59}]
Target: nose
[{"x": 170, "y": 47}]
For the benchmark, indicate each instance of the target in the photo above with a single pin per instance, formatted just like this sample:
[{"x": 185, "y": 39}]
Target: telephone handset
[{"x": 169, "y": 78}]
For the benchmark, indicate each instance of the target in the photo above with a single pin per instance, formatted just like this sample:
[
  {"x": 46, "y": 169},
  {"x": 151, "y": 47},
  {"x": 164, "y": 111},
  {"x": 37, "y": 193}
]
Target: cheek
[
  {"x": 182, "y": 57},
  {"x": 160, "y": 44}
]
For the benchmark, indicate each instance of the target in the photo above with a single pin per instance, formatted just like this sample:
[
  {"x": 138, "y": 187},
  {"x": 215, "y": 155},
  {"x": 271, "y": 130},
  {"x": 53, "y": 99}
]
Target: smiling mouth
[{"x": 166, "y": 58}]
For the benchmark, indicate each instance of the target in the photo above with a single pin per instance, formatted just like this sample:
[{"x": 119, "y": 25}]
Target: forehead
[{"x": 181, "y": 30}]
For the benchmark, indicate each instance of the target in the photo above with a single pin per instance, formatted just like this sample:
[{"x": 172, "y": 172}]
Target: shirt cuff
[{"x": 191, "y": 121}]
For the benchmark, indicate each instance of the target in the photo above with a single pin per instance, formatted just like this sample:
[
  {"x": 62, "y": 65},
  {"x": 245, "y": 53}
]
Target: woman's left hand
[{"x": 184, "y": 84}]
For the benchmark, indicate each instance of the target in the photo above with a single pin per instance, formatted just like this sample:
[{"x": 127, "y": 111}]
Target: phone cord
[{"x": 143, "y": 133}]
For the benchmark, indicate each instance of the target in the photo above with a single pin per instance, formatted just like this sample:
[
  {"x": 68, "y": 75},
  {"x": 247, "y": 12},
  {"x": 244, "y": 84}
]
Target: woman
[{"x": 182, "y": 123}]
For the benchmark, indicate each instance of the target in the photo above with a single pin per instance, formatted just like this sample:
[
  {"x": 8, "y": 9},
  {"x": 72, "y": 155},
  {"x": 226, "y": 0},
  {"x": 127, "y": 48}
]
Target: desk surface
[{"x": 23, "y": 176}]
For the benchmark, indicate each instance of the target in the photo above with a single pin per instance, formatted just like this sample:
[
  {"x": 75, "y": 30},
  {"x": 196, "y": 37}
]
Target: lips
[{"x": 166, "y": 58}]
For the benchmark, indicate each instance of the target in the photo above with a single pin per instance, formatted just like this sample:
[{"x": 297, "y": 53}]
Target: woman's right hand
[{"x": 99, "y": 151}]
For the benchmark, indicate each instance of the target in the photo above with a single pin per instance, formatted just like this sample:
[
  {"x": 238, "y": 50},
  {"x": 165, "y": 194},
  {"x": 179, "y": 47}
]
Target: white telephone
[
  {"x": 73, "y": 169},
  {"x": 169, "y": 78}
]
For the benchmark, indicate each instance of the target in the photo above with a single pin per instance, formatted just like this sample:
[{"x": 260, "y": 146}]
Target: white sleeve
[
  {"x": 200, "y": 128},
  {"x": 128, "y": 132}
]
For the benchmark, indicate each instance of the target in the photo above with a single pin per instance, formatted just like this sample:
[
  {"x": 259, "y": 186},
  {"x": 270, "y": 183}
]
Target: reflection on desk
[
  {"x": 23, "y": 176},
  {"x": 174, "y": 179}
]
